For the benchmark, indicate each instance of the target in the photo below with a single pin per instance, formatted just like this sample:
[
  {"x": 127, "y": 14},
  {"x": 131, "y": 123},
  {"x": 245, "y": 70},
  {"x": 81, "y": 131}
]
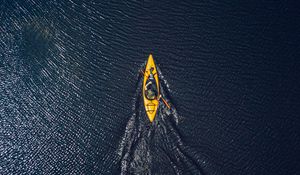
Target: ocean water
[{"x": 70, "y": 87}]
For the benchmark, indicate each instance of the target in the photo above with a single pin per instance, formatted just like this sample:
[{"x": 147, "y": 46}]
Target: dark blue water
[{"x": 70, "y": 88}]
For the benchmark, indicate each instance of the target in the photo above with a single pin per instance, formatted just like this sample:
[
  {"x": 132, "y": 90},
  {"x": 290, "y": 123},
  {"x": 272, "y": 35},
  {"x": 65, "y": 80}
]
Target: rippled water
[{"x": 70, "y": 89}]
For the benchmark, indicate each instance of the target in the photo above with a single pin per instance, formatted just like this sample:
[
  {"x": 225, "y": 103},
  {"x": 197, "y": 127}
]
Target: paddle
[
  {"x": 164, "y": 101},
  {"x": 141, "y": 71}
]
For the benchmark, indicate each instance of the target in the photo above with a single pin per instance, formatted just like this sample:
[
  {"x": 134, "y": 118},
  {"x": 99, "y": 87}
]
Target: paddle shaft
[
  {"x": 141, "y": 71},
  {"x": 165, "y": 101}
]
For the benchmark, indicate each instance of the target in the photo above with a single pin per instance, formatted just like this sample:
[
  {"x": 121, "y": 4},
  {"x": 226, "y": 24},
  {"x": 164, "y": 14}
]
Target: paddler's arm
[{"x": 146, "y": 87}]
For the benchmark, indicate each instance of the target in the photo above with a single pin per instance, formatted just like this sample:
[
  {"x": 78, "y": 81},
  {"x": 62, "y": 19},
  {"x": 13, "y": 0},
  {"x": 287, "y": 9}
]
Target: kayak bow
[{"x": 151, "y": 106}]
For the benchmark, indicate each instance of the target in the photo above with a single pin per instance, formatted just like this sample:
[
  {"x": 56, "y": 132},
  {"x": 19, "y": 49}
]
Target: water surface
[{"x": 70, "y": 88}]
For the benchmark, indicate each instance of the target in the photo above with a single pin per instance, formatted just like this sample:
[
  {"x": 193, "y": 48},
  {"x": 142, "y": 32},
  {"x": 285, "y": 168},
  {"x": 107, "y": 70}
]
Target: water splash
[{"x": 146, "y": 146}]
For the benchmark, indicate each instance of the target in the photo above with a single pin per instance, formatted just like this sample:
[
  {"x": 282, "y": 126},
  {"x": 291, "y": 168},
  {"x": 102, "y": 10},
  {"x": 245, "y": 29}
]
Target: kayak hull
[{"x": 151, "y": 106}]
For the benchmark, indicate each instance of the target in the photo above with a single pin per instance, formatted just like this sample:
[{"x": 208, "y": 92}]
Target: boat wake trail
[{"x": 157, "y": 147}]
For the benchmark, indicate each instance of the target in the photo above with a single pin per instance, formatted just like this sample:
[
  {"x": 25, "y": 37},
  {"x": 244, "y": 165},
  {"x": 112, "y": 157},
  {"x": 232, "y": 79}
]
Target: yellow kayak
[{"x": 151, "y": 89}]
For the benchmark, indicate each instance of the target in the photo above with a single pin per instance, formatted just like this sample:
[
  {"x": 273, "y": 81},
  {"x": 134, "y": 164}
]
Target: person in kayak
[{"x": 150, "y": 88}]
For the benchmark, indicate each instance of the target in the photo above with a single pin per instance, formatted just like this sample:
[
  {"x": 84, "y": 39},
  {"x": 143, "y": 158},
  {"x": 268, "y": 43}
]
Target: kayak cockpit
[{"x": 151, "y": 87}]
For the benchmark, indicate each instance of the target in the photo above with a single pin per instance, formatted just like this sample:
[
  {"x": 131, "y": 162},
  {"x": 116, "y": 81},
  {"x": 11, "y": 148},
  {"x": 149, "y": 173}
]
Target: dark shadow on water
[{"x": 38, "y": 50}]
